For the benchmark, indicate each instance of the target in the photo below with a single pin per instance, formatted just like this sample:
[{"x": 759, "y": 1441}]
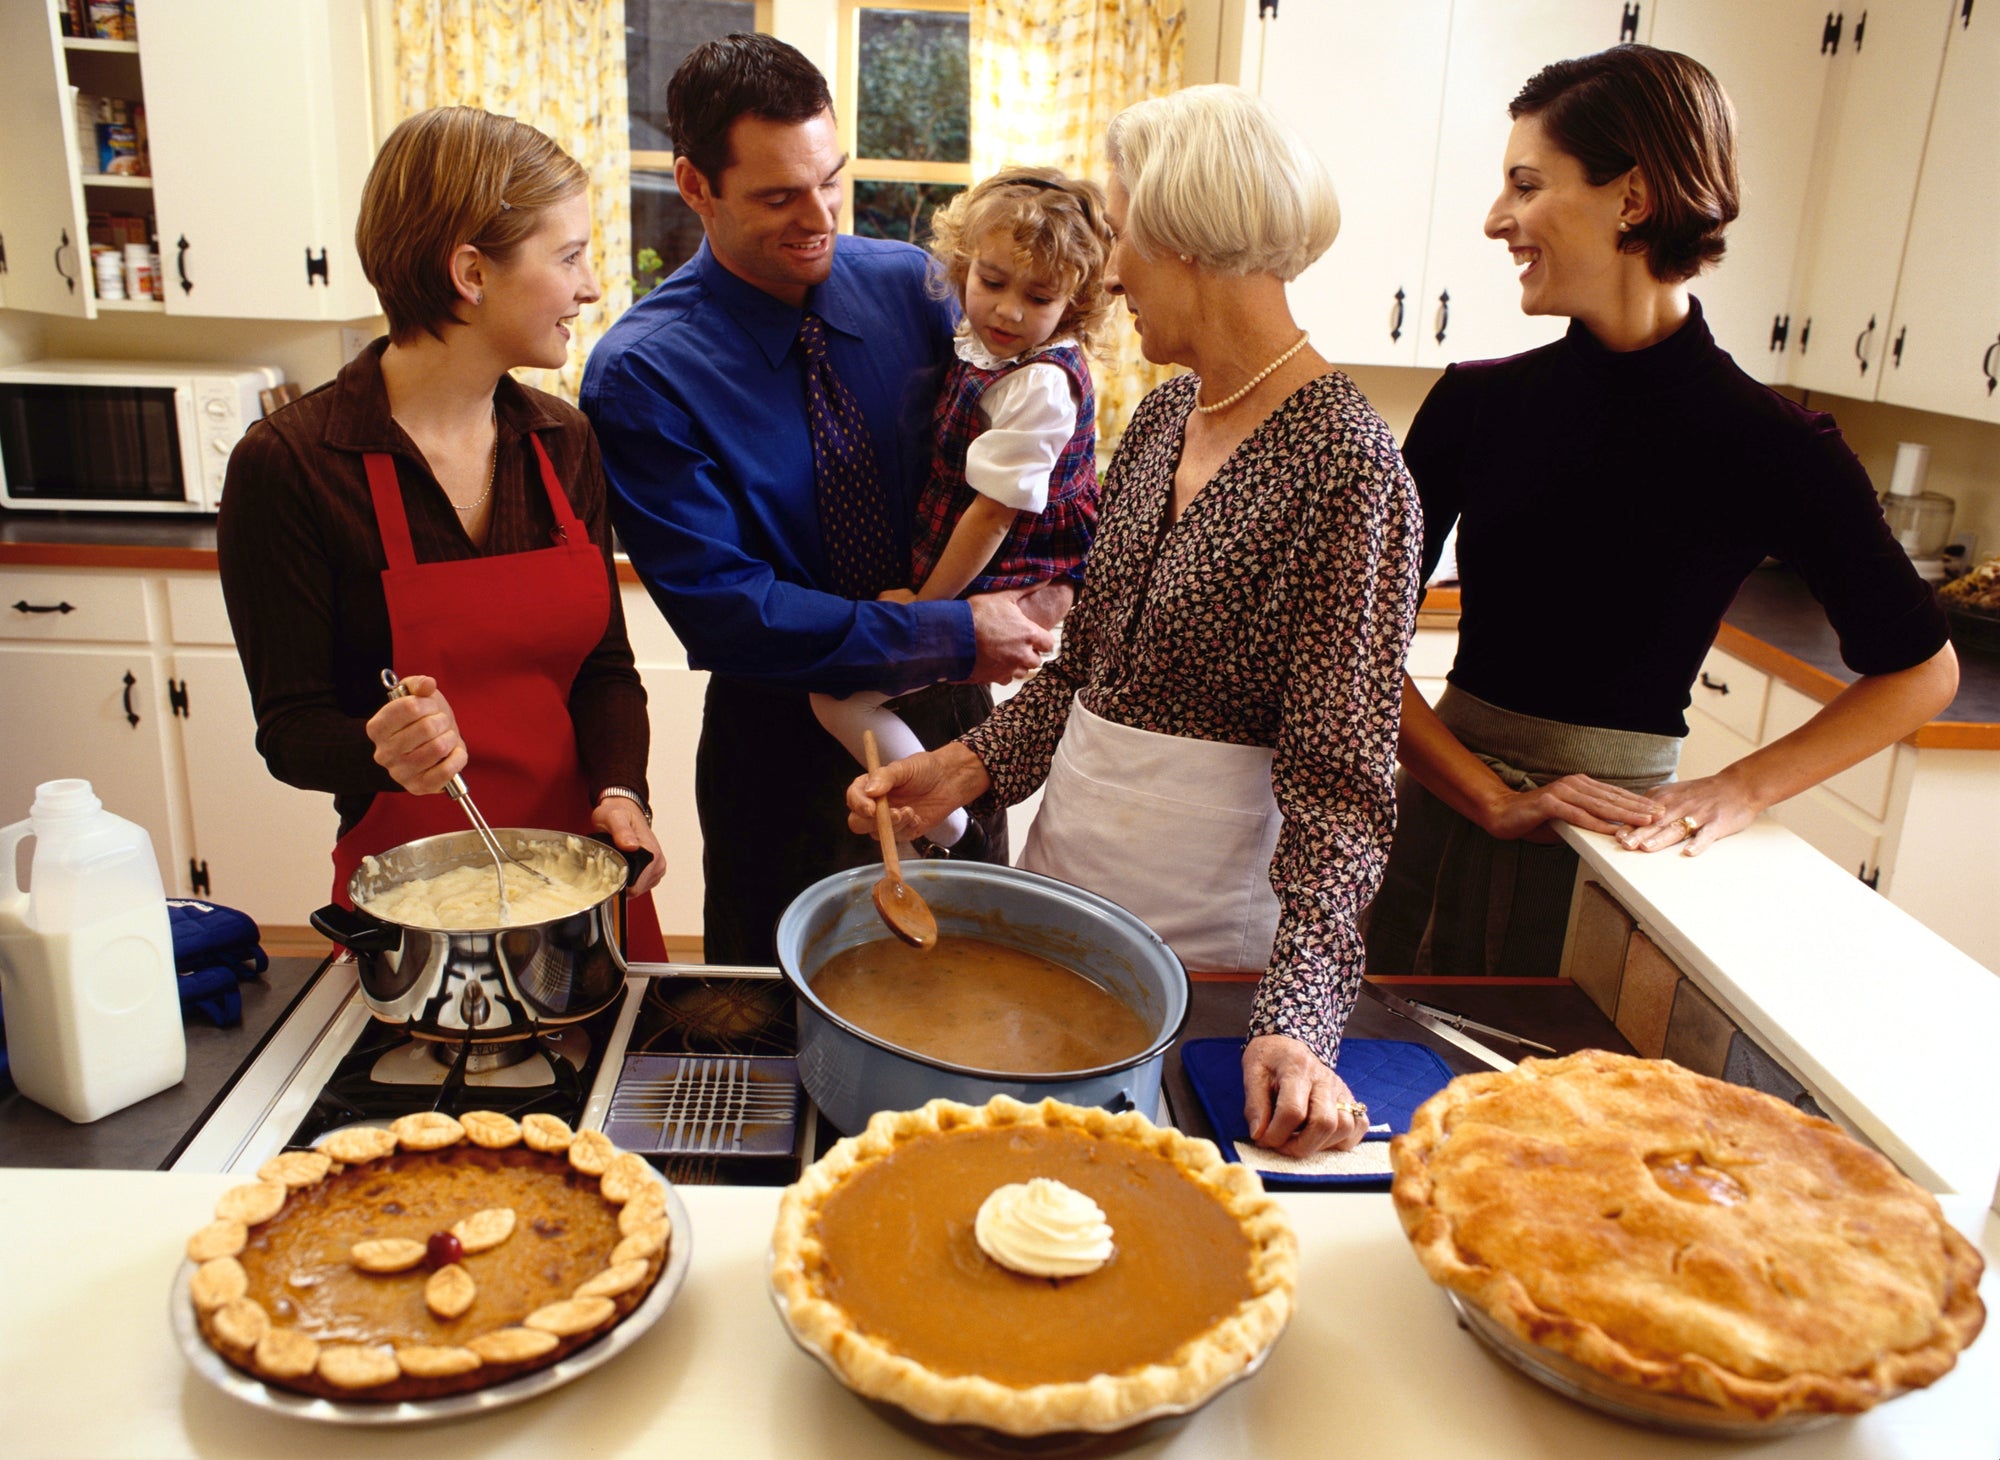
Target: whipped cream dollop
[{"x": 1044, "y": 1229}]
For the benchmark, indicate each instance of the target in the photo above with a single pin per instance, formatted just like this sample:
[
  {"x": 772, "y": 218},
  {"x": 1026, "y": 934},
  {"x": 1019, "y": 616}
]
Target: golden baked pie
[
  {"x": 1685, "y": 1236},
  {"x": 430, "y": 1258},
  {"x": 879, "y": 1264}
]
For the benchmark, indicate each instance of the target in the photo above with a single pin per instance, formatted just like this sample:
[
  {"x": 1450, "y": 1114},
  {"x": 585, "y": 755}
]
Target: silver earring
[{"x": 480, "y": 298}]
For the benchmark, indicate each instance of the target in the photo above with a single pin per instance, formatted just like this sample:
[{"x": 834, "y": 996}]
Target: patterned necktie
[{"x": 854, "y": 528}]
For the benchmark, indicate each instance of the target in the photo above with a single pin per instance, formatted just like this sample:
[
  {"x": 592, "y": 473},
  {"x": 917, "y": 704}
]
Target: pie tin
[
  {"x": 972, "y": 1439},
  {"x": 270, "y": 1398},
  {"x": 1675, "y": 1413}
]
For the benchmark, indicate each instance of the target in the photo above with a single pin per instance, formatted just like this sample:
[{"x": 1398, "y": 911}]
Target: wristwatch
[{"x": 630, "y": 795}]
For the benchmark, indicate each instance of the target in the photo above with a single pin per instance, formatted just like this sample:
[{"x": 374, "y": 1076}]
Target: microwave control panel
[{"x": 219, "y": 423}]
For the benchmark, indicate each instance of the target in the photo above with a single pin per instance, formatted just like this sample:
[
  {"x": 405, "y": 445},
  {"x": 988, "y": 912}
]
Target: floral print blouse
[{"x": 1276, "y": 612}]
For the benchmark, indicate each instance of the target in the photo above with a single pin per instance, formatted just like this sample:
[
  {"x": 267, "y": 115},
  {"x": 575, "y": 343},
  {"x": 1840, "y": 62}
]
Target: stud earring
[
  {"x": 1623, "y": 226},
  {"x": 480, "y": 298}
]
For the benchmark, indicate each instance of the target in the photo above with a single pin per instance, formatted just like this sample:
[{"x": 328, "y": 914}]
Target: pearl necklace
[
  {"x": 1253, "y": 382},
  {"x": 492, "y": 470}
]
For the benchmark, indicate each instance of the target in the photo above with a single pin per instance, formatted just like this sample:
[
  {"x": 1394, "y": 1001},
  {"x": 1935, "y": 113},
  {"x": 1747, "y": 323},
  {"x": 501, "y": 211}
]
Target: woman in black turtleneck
[{"x": 1611, "y": 492}]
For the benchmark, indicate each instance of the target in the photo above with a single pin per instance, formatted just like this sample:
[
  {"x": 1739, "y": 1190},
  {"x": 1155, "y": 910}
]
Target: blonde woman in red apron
[
  {"x": 427, "y": 512},
  {"x": 1216, "y": 741}
]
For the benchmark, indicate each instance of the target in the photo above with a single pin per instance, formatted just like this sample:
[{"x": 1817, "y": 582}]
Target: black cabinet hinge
[
  {"x": 1805, "y": 334},
  {"x": 1965, "y": 15},
  {"x": 3, "y": 253},
  {"x": 1829, "y": 36},
  {"x": 1628, "y": 24},
  {"x": 1267, "y": 9},
  {"x": 1860, "y": 26},
  {"x": 1869, "y": 879},
  {"x": 315, "y": 267},
  {"x": 1781, "y": 331},
  {"x": 177, "y": 697},
  {"x": 197, "y": 877}
]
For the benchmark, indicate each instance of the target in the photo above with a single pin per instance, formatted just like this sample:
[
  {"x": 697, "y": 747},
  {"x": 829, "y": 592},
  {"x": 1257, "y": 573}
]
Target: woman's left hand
[
  {"x": 1293, "y": 1103},
  {"x": 1717, "y": 806},
  {"x": 623, "y": 821}
]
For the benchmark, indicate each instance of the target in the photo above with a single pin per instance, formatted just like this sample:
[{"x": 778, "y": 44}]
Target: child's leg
[{"x": 845, "y": 719}]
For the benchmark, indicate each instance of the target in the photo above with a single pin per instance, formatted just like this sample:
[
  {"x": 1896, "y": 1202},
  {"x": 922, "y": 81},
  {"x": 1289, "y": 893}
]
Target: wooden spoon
[{"x": 905, "y": 913}]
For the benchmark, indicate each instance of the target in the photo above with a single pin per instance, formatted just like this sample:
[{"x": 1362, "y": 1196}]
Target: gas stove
[{"x": 693, "y": 1066}]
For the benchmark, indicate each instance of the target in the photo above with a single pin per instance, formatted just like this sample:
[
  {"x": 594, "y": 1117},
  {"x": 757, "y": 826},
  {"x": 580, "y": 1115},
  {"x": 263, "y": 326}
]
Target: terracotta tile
[
  {"x": 1698, "y": 1033},
  {"x": 1595, "y": 958},
  {"x": 1646, "y": 996}
]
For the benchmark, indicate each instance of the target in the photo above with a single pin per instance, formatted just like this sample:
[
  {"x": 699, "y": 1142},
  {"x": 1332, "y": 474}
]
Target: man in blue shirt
[{"x": 699, "y": 399}]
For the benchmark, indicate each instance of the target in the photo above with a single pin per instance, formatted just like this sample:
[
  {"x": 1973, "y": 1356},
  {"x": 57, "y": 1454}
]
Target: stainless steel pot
[
  {"x": 495, "y": 984},
  {"x": 851, "y": 1073}
]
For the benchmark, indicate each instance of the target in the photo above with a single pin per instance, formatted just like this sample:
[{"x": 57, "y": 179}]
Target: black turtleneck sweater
[{"x": 1610, "y": 505}]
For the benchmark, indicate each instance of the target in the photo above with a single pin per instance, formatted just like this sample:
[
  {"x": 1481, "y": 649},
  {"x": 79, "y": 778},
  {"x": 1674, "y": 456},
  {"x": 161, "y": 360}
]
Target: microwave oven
[{"x": 123, "y": 435}]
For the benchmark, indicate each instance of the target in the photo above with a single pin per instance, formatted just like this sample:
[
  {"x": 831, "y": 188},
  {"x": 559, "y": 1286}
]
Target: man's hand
[{"x": 1010, "y": 645}]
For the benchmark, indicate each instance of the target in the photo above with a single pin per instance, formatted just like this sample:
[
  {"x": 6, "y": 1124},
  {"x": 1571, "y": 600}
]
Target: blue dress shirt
[{"x": 698, "y": 396}]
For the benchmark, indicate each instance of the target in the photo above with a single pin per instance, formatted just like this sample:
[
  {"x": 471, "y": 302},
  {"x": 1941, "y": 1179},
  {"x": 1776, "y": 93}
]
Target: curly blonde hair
[{"x": 1058, "y": 229}]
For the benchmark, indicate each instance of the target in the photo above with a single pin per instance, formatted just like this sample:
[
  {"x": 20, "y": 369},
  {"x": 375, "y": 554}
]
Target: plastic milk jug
[{"x": 87, "y": 959}]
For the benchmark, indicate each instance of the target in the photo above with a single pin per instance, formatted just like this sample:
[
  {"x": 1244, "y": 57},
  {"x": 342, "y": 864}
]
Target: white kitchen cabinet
[
  {"x": 1944, "y": 341},
  {"x": 260, "y": 135},
  {"x": 1363, "y": 83},
  {"x": 42, "y": 225},
  {"x": 1470, "y": 307},
  {"x": 1872, "y": 124},
  {"x": 674, "y": 696},
  {"x": 258, "y": 170},
  {"x": 1770, "y": 61}
]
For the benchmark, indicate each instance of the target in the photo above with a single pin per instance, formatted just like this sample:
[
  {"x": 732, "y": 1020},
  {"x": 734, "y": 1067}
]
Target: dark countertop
[
  {"x": 1557, "y": 1014},
  {"x": 1776, "y": 608},
  {"x": 147, "y": 1136}
]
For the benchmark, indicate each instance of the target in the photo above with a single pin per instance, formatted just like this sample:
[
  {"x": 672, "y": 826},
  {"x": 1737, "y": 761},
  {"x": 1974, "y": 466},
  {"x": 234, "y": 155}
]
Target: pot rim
[
  {"x": 501, "y": 833},
  {"x": 943, "y": 871}
]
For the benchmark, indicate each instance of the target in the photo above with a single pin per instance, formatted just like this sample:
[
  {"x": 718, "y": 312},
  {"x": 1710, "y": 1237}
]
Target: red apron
[{"x": 504, "y": 637}]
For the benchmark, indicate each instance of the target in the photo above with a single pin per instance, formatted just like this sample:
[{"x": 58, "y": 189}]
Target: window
[
  {"x": 904, "y": 104},
  {"x": 658, "y": 36}
]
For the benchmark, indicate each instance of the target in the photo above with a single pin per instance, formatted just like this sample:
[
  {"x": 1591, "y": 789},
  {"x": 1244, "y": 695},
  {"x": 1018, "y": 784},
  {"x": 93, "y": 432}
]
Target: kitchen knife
[{"x": 1403, "y": 1008}]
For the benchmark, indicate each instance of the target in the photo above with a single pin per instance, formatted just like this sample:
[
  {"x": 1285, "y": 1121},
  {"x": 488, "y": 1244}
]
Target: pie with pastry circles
[
  {"x": 431, "y": 1258},
  {"x": 876, "y": 1267},
  {"x": 1685, "y": 1236}
]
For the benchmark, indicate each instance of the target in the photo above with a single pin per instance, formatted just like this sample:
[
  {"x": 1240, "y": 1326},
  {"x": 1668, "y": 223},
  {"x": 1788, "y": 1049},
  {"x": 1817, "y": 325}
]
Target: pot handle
[
  {"x": 636, "y": 860},
  {"x": 352, "y": 928},
  {"x": 1120, "y": 1103}
]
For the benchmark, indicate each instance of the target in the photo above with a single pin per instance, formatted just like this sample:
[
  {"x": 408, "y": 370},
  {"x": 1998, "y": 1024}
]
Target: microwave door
[{"x": 113, "y": 448}]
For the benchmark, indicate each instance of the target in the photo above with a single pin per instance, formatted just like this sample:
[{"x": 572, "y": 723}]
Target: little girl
[{"x": 1012, "y": 497}]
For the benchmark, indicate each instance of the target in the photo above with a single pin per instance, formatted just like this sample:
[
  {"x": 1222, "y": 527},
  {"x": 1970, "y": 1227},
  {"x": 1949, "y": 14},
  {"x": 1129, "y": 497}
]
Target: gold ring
[
  {"x": 1351, "y": 1107},
  {"x": 1691, "y": 824}
]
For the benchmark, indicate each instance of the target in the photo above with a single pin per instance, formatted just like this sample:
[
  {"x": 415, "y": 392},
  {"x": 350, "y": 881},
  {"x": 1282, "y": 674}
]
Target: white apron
[{"x": 1178, "y": 832}]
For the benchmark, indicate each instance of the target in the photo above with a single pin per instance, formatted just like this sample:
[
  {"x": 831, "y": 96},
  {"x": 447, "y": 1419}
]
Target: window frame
[
  {"x": 662, "y": 160},
  {"x": 847, "y": 110}
]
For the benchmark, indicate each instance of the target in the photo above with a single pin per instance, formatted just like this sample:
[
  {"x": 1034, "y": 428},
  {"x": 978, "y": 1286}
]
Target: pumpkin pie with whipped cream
[
  {"x": 1684, "y": 1237},
  {"x": 430, "y": 1258},
  {"x": 1032, "y": 1269}
]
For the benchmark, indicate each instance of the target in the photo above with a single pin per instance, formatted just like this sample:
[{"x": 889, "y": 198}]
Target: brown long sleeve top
[{"x": 302, "y": 560}]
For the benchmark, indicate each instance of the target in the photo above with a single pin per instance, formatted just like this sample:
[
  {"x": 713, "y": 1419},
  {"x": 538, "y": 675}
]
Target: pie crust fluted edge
[{"x": 1102, "y": 1402}]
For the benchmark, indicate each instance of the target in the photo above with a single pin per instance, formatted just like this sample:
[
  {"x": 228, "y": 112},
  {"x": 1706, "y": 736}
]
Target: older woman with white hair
[{"x": 1218, "y": 735}]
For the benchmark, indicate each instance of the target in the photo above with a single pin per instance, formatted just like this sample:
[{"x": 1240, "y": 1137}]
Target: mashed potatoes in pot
[{"x": 468, "y": 897}]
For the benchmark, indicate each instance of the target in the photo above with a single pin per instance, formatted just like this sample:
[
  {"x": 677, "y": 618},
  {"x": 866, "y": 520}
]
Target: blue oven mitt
[{"x": 215, "y": 949}]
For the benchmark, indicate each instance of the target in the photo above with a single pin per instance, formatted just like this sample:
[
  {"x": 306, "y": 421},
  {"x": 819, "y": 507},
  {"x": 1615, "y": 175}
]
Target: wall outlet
[{"x": 353, "y": 342}]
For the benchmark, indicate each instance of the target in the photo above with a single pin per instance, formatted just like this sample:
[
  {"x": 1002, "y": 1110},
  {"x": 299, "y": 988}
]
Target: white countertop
[
  {"x": 1892, "y": 1027},
  {"x": 1372, "y": 1364}
]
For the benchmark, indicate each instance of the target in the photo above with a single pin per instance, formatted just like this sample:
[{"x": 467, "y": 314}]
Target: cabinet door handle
[
  {"x": 1986, "y": 366},
  {"x": 131, "y": 715},
  {"x": 1443, "y": 314},
  {"x": 23, "y": 606},
  {"x": 62, "y": 247},
  {"x": 1721, "y": 687},
  {"x": 181, "y": 264},
  {"x": 1861, "y": 344},
  {"x": 1396, "y": 318}
]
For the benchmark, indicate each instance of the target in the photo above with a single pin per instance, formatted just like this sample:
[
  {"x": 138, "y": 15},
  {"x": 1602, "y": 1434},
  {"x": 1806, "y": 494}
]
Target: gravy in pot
[{"x": 981, "y": 1005}]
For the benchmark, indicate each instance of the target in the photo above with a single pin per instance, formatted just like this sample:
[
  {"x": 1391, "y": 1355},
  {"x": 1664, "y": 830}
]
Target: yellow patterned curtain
[
  {"x": 559, "y": 66},
  {"x": 1047, "y": 77}
]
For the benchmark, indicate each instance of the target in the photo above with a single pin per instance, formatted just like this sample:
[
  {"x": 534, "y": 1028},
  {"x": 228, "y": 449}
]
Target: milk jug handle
[{"x": 12, "y": 899}]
